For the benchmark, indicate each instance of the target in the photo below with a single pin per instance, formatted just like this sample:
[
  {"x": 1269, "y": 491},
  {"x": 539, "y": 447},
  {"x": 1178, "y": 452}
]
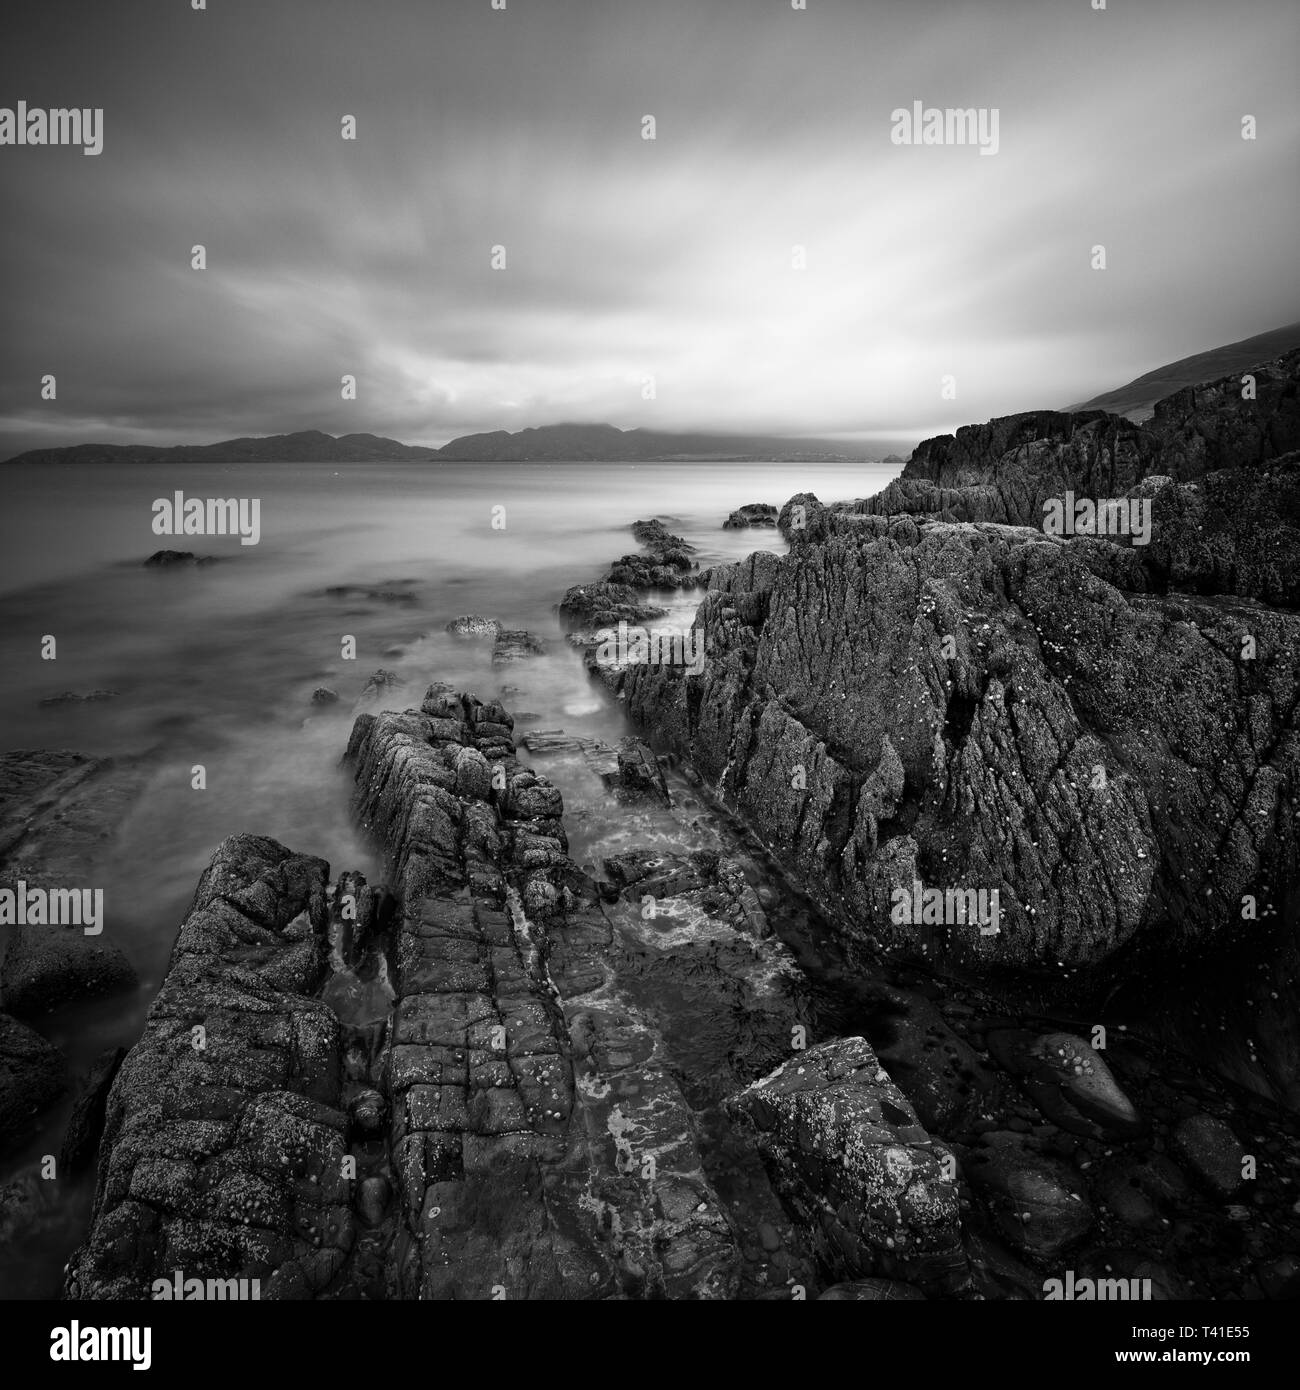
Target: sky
[{"x": 646, "y": 282}]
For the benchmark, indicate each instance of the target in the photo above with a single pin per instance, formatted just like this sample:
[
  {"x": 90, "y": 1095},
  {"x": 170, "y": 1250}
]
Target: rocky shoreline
[{"x": 503, "y": 1075}]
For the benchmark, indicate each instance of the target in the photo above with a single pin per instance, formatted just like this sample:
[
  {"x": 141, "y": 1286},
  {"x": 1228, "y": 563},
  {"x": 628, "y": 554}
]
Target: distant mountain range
[
  {"x": 305, "y": 446},
  {"x": 550, "y": 443},
  {"x": 1137, "y": 400},
  {"x": 606, "y": 443}
]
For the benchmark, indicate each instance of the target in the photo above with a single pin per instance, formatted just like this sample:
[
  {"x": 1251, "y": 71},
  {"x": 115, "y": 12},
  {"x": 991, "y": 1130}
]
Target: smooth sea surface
[{"x": 216, "y": 665}]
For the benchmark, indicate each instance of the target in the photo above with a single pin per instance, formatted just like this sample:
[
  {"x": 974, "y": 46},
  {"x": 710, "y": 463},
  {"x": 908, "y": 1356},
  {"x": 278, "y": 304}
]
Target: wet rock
[
  {"x": 593, "y": 606},
  {"x": 70, "y": 697},
  {"x": 398, "y": 592},
  {"x": 752, "y": 514},
  {"x": 86, "y": 1123},
  {"x": 323, "y": 695},
  {"x": 223, "y": 1140},
  {"x": 372, "y": 1200},
  {"x": 380, "y": 686},
  {"x": 1211, "y": 1151},
  {"x": 47, "y": 966},
  {"x": 33, "y": 1074},
  {"x": 872, "y": 1291},
  {"x": 177, "y": 559},
  {"x": 368, "y": 1111},
  {"x": 639, "y": 772},
  {"x": 1072, "y": 1085},
  {"x": 942, "y": 1076},
  {"x": 473, "y": 625},
  {"x": 537, "y": 1144},
  {"x": 1037, "y": 1204},
  {"x": 855, "y": 1168},
  {"x": 515, "y": 645}
]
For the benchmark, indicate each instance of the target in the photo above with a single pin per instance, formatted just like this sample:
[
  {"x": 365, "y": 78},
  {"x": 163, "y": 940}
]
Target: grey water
[{"x": 215, "y": 665}]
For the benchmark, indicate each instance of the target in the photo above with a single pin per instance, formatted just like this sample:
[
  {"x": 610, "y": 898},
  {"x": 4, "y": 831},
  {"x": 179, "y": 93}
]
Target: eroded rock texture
[
  {"x": 223, "y": 1139},
  {"x": 541, "y": 1148}
]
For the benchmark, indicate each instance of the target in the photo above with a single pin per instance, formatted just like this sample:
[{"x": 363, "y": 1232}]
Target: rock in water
[
  {"x": 474, "y": 626},
  {"x": 1212, "y": 1151},
  {"x": 46, "y": 966},
  {"x": 854, "y": 1167},
  {"x": 752, "y": 514},
  {"x": 32, "y": 1075}
]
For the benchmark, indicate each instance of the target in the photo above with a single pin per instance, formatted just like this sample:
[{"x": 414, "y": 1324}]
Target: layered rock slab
[{"x": 541, "y": 1148}]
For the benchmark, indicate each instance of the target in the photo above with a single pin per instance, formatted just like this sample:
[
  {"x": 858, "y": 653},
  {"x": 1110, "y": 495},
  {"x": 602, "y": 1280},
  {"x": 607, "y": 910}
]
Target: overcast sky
[{"x": 627, "y": 258}]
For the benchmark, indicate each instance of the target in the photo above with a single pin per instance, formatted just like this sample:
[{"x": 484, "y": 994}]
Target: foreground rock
[
  {"x": 539, "y": 1145},
  {"x": 224, "y": 1140},
  {"x": 854, "y": 1165},
  {"x": 984, "y": 708}
]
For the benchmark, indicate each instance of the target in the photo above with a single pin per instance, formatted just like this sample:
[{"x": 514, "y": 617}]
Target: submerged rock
[
  {"x": 33, "y": 1074},
  {"x": 46, "y": 966},
  {"x": 173, "y": 559},
  {"x": 515, "y": 645}
]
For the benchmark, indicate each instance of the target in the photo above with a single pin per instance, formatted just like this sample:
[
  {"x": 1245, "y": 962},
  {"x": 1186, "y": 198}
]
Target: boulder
[{"x": 855, "y": 1168}]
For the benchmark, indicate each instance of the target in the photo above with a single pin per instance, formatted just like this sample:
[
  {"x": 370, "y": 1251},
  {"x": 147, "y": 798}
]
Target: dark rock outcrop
[
  {"x": 541, "y": 1149},
  {"x": 224, "y": 1138},
  {"x": 751, "y": 514},
  {"x": 854, "y": 1165}
]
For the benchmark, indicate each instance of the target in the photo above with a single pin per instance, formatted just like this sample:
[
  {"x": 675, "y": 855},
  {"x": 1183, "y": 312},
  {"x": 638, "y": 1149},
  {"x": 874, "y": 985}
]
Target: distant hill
[
  {"x": 1137, "y": 400},
  {"x": 550, "y": 443},
  {"x": 561, "y": 443},
  {"x": 305, "y": 446}
]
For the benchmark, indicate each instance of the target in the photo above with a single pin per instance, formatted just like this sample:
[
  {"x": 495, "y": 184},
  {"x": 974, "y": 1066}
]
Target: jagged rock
[
  {"x": 32, "y": 1075},
  {"x": 1088, "y": 747},
  {"x": 855, "y": 1167},
  {"x": 523, "y": 1112},
  {"x": 1212, "y": 1151},
  {"x": 594, "y": 606},
  {"x": 323, "y": 695},
  {"x": 46, "y": 966},
  {"x": 752, "y": 514},
  {"x": 656, "y": 537},
  {"x": 222, "y": 1148},
  {"x": 474, "y": 626},
  {"x": 86, "y": 1123},
  {"x": 515, "y": 645},
  {"x": 378, "y": 688}
]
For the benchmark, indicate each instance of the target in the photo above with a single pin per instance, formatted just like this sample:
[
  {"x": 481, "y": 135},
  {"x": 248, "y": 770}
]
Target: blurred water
[{"x": 216, "y": 664}]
